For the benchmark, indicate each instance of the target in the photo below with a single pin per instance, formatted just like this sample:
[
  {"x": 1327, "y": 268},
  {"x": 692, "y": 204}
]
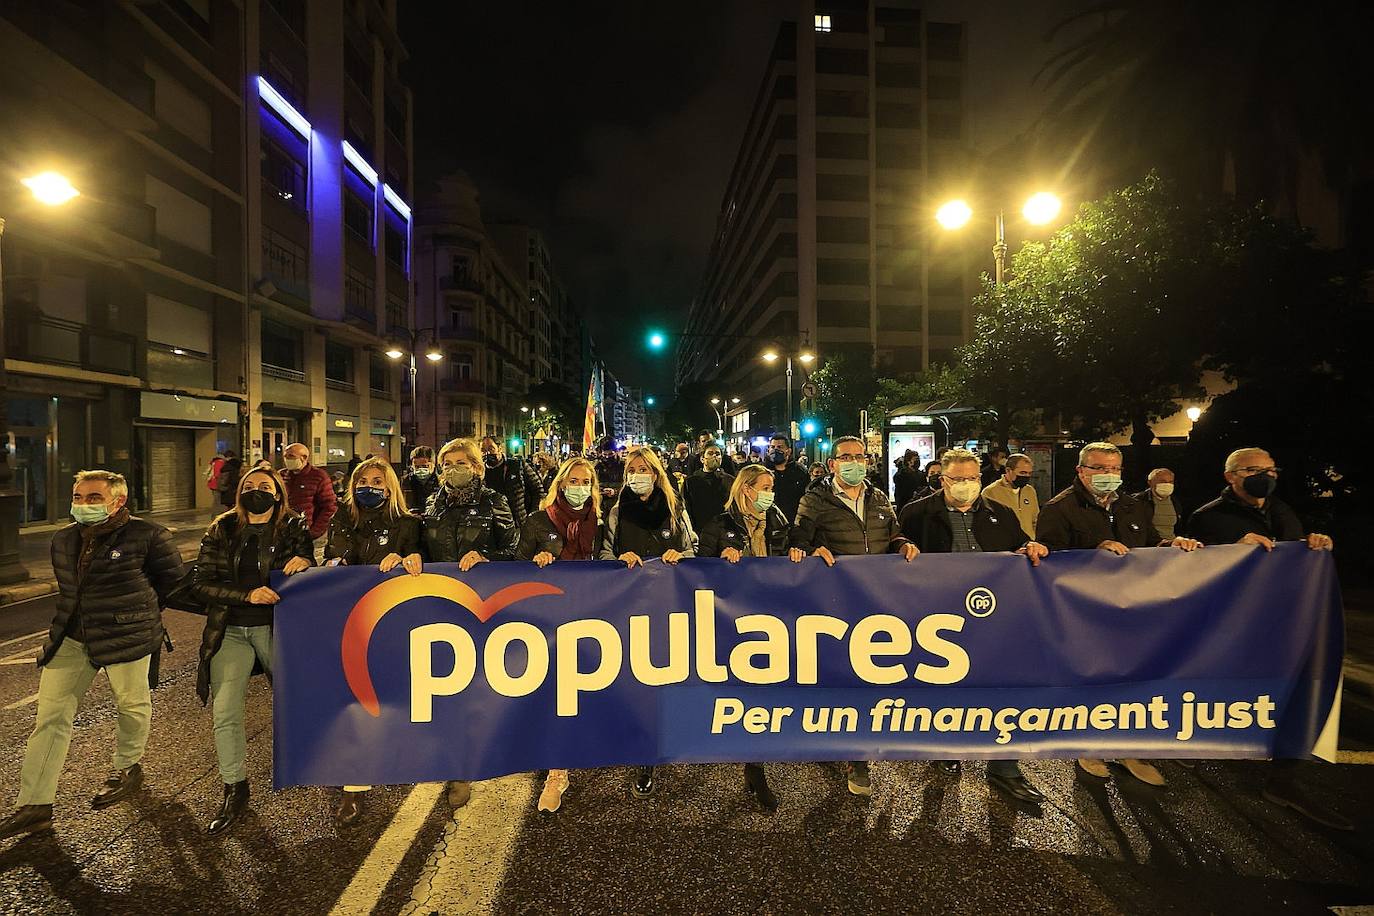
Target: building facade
[
  {"x": 477, "y": 308},
  {"x": 823, "y": 241},
  {"x": 239, "y": 248}
]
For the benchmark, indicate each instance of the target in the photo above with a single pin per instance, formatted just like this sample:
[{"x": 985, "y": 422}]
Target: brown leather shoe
[
  {"x": 1147, "y": 773},
  {"x": 459, "y": 792},
  {"x": 28, "y": 819},
  {"x": 1094, "y": 767},
  {"x": 120, "y": 785}
]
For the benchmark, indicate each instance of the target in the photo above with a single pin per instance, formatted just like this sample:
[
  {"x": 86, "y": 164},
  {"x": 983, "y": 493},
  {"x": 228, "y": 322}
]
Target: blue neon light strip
[
  {"x": 359, "y": 163},
  {"x": 396, "y": 203},
  {"x": 278, "y": 103}
]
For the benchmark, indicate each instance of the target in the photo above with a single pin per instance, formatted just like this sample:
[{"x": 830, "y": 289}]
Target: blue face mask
[
  {"x": 90, "y": 515},
  {"x": 852, "y": 472},
  {"x": 369, "y": 497}
]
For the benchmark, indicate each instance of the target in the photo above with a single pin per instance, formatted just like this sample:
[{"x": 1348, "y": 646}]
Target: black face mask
[
  {"x": 1260, "y": 486},
  {"x": 258, "y": 501},
  {"x": 934, "y": 481},
  {"x": 777, "y": 456},
  {"x": 491, "y": 460},
  {"x": 1020, "y": 480}
]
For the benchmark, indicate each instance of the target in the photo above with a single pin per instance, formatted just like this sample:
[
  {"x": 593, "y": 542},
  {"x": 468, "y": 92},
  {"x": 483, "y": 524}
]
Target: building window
[
  {"x": 842, "y": 146},
  {"x": 395, "y": 311},
  {"x": 394, "y": 114},
  {"x": 359, "y": 293},
  {"x": 358, "y": 217},
  {"x": 338, "y": 362},
  {"x": 396, "y": 247},
  {"x": 944, "y": 40},
  {"x": 283, "y": 176},
  {"x": 946, "y": 323},
  {"x": 281, "y": 345},
  {"x": 461, "y": 368},
  {"x": 822, "y": 23},
  {"x": 285, "y": 262},
  {"x": 378, "y": 375},
  {"x": 292, "y": 13},
  {"x": 462, "y": 319},
  {"x": 358, "y": 68},
  {"x": 179, "y": 217}
]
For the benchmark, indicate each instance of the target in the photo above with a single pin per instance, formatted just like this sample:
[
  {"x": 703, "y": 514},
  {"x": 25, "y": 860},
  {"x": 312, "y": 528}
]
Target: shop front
[
  {"x": 340, "y": 440},
  {"x": 382, "y": 440},
  {"x": 175, "y": 439}
]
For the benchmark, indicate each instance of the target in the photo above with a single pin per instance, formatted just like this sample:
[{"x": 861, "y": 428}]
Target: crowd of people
[{"x": 469, "y": 503}]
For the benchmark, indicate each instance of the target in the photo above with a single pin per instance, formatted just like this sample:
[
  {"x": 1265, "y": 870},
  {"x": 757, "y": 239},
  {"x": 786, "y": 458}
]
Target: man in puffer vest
[{"x": 114, "y": 573}]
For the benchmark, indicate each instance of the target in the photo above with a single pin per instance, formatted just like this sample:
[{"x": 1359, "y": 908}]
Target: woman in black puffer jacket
[
  {"x": 750, "y": 526},
  {"x": 372, "y": 528},
  {"x": 239, "y": 552},
  {"x": 465, "y": 523}
]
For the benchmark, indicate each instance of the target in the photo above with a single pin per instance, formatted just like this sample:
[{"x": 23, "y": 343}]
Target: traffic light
[
  {"x": 809, "y": 428},
  {"x": 657, "y": 340},
  {"x": 649, "y": 400},
  {"x": 515, "y": 443}
]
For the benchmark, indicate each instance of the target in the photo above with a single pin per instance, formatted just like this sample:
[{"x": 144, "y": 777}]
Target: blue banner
[{"x": 390, "y": 678}]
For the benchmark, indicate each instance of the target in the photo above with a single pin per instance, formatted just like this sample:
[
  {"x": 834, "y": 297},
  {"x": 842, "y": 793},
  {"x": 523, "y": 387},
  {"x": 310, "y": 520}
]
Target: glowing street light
[
  {"x": 954, "y": 215},
  {"x": 433, "y": 355},
  {"x": 50, "y": 188},
  {"x": 1041, "y": 208},
  {"x": 657, "y": 340},
  {"x": 1194, "y": 413},
  {"x": 395, "y": 352},
  {"x": 769, "y": 356}
]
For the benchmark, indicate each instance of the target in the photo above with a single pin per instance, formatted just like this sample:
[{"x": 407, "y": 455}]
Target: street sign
[{"x": 808, "y": 389}]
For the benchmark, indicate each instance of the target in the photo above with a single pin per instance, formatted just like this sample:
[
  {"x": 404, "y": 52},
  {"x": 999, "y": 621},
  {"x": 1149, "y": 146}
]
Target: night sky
[{"x": 613, "y": 127}]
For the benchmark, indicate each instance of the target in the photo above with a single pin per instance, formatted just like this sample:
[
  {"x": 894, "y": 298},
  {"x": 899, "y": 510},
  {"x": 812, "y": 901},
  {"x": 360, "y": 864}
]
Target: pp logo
[{"x": 980, "y": 602}]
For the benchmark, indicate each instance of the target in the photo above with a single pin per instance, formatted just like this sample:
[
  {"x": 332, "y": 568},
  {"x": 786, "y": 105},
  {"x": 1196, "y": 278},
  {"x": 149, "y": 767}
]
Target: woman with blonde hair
[
  {"x": 647, "y": 521},
  {"x": 466, "y": 523},
  {"x": 568, "y": 527},
  {"x": 238, "y": 553},
  {"x": 373, "y": 528},
  {"x": 750, "y": 526}
]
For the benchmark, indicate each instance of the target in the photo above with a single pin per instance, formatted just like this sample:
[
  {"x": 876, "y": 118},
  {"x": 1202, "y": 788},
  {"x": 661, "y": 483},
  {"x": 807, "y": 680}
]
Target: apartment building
[
  {"x": 824, "y": 236},
  {"x": 238, "y": 249}
]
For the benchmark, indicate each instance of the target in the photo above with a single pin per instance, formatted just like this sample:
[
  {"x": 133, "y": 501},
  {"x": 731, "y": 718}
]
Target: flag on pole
[{"x": 589, "y": 422}]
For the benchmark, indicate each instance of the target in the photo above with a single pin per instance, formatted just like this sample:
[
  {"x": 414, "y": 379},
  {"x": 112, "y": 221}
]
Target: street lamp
[
  {"x": 805, "y": 357},
  {"x": 53, "y": 190},
  {"x": 1040, "y": 208},
  {"x": 395, "y": 351}
]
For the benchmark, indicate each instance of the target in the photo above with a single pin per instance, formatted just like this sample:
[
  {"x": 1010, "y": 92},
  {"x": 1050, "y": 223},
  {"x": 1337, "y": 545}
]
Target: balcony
[
  {"x": 462, "y": 385},
  {"x": 336, "y": 384},
  {"x": 452, "y": 332},
  {"x": 180, "y": 370},
  {"x": 38, "y": 338},
  {"x": 452, "y": 284}
]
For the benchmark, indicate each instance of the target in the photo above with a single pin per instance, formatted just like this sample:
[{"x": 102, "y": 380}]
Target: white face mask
[
  {"x": 640, "y": 484},
  {"x": 294, "y": 464},
  {"x": 1165, "y": 490},
  {"x": 964, "y": 492}
]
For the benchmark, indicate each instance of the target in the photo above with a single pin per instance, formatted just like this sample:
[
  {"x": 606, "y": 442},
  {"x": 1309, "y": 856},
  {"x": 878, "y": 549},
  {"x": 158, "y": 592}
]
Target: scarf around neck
[
  {"x": 576, "y": 526},
  {"x": 649, "y": 514}
]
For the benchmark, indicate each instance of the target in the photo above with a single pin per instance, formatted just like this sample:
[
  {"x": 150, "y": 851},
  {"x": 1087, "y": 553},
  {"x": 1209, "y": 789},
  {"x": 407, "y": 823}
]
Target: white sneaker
[{"x": 551, "y": 799}]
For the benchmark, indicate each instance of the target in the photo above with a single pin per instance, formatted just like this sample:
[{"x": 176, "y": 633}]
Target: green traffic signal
[{"x": 657, "y": 340}]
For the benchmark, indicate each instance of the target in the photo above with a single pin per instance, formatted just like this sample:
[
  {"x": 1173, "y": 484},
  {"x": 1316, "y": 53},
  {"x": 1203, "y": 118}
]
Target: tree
[
  {"x": 690, "y": 412},
  {"x": 845, "y": 385},
  {"x": 939, "y": 384}
]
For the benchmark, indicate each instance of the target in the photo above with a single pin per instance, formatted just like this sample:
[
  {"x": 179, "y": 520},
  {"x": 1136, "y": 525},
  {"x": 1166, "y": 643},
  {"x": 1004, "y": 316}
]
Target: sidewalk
[{"x": 186, "y": 528}]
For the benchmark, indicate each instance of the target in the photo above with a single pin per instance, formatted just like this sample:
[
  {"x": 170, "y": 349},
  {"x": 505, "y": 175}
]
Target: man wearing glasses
[
  {"x": 1247, "y": 512},
  {"x": 1092, "y": 514},
  {"x": 844, "y": 514}
]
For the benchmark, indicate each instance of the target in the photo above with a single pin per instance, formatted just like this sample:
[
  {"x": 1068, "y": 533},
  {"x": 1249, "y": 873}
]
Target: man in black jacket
[
  {"x": 420, "y": 482},
  {"x": 1247, "y": 512},
  {"x": 790, "y": 480},
  {"x": 956, "y": 519},
  {"x": 1092, "y": 515},
  {"x": 706, "y": 492},
  {"x": 513, "y": 479},
  {"x": 844, "y": 514},
  {"x": 114, "y": 572}
]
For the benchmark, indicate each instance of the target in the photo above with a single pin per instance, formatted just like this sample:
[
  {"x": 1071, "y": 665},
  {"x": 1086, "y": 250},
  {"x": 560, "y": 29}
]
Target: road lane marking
[
  {"x": 1365, "y": 758},
  {"x": 464, "y": 872},
  {"x": 372, "y": 877},
  {"x": 24, "y": 702},
  {"x": 23, "y": 638},
  {"x": 19, "y": 660}
]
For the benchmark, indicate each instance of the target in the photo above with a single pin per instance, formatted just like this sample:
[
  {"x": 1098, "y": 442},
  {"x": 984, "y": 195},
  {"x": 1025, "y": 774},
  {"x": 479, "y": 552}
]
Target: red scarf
[{"x": 577, "y": 527}]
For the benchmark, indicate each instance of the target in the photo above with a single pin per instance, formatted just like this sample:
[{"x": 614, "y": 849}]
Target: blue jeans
[{"x": 230, "y": 669}]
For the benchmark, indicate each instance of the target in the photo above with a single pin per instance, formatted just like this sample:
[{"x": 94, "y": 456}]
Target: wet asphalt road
[{"x": 922, "y": 843}]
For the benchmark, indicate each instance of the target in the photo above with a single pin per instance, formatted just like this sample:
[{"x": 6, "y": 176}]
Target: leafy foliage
[{"x": 845, "y": 385}]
